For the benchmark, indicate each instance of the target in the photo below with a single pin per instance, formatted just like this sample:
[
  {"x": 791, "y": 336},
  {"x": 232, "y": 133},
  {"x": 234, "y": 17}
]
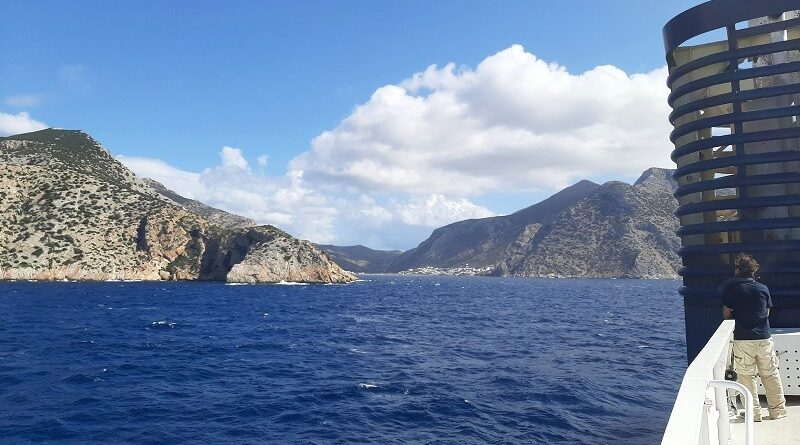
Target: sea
[{"x": 386, "y": 360}]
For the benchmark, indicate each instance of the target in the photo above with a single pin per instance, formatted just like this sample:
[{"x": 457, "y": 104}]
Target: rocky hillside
[
  {"x": 619, "y": 230},
  {"x": 586, "y": 230},
  {"x": 361, "y": 258},
  {"x": 483, "y": 242},
  {"x": 69, "y": 210}
]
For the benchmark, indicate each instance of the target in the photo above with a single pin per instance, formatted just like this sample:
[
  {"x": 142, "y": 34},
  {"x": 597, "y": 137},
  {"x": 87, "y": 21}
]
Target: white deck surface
[{"x": 773, "y": 432}]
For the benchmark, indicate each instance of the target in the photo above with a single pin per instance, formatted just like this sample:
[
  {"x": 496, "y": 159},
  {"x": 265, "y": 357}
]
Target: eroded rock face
[
  {"x": 613, "y": 230},
  {"x": 69, "y": 210},
  {"x": 618, "y": 231},
  {"x": 484, "y": 242}
]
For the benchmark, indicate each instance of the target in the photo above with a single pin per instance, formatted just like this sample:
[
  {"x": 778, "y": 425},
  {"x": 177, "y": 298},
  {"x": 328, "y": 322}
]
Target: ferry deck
[
  {"x": 772, "y": 432},
  {"x": 703, "y": 413}
]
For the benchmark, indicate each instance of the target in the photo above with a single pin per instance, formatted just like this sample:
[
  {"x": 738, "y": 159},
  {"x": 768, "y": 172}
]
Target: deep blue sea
[{"x": 392, "y": 359}]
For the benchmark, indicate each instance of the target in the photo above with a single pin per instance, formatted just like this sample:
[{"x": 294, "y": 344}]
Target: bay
[{"x": 391, "y": 359}]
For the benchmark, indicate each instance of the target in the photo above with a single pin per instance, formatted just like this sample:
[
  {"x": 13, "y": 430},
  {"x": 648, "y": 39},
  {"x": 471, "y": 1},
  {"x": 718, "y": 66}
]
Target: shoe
[
  {"x": 779, "y": 415},
  {"x": 757, "y": 419}
]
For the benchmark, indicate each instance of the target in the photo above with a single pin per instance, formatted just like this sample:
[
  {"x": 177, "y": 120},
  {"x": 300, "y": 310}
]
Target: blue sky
[{"x": 178, "y": 81}]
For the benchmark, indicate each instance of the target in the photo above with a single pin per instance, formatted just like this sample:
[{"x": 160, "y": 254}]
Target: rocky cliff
[
  {"x": 483, "y": 242},
  {"x": 69, "y": 210},
  {"x": 619, "y": 230}
]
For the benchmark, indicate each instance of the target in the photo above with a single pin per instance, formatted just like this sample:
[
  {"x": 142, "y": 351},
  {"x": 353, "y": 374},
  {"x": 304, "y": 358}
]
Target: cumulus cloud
[
  {"x": 285, "y": 201},
  {"x": 370, "y": 212},
  {"x": 304, "y": 210},
  {"x": 185, "y": 183},
  {"x": 232, "y": 158},
  {"x": 413, "y": 156},
  {"x": 515, "y": 122},
  {"x": 21, "y": 122},
  {"x": 436, "y": 210}
]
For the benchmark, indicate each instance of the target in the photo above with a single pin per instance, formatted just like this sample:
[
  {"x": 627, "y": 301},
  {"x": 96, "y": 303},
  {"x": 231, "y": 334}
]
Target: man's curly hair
[{"x": 746, "y": 265}]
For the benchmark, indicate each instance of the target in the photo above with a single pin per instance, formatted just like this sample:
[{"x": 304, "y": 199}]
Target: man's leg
[
  {"x": 768, "y": 365},
  {"x": 744, "y": 358},
  {"x": 749, "y": 381}
]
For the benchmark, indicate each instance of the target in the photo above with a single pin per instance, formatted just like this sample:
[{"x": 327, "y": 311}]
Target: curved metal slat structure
[{"x": 736, "y": 109}]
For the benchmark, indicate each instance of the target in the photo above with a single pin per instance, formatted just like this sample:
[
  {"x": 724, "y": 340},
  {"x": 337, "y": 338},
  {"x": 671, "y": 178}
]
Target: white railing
[{"x": 702, "y": 400}]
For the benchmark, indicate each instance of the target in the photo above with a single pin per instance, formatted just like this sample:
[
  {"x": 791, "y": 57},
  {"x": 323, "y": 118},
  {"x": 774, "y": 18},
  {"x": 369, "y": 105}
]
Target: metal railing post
[
  {"x": 721, "y": 397},
  {"x": 748, "y": 405}
]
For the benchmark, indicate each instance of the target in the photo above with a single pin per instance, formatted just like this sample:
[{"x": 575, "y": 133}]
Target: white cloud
[
  {"x": 292, "y": 204},
  {"x": 512, "y": 123},
  {"x": 11, "y": 124},
  {"x": 365, "y": 211},
  {"x": 286, "y": 202},
  {"x": 24, "y": 100},
  {"x": 436, "y": 210},
  {"x": 414, "y": 155},
  {"x": 232, "y": 158},
  {"x": 185, "y": 183}
]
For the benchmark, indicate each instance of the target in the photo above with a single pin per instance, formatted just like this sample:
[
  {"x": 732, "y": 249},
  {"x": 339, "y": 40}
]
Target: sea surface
[{"x": 392, "y": 359}]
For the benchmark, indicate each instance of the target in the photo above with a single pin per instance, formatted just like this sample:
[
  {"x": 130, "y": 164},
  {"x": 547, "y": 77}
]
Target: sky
[{"x": 350, "y": 122}]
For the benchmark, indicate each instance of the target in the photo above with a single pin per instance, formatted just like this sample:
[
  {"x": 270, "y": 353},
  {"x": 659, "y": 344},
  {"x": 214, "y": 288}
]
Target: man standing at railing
[{"x": 748, "y": 302}]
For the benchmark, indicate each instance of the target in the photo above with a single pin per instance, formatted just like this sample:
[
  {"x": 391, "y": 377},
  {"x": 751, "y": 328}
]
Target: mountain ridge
[
  {"x": 361, "y": 259},
  {"x": 486, "y": 238},
  {"x": 609, "y": 230},
  {"x": 56, "y": 183},
  {"x": 620, "y": 230}
]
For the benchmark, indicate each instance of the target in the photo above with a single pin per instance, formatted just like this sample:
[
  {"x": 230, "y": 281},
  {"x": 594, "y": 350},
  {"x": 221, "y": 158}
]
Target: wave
[
  {"x": 444, "y": 370},
  {"x": 164, "y": 324},
  {"x": 236, "y": 284},
  {"x": 291, "y": 283}
]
